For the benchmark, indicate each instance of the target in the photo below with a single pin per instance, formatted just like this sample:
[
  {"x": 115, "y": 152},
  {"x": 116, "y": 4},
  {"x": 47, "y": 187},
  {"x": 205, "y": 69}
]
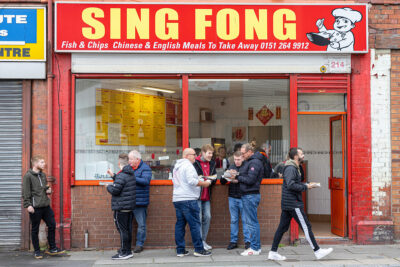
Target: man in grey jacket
[{"x": 185, "y": 195}]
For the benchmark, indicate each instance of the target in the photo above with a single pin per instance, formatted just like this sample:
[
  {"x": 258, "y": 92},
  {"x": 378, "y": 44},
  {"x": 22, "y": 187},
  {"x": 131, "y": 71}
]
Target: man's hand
[
  {"x": 311, "y": 185},
  {"x": 205, "y": 183},
  {"x": 109, "y": 172},
  {"x": 49, "y": 191},
  {"x": 234, "y": 181},
  {"x": 30, "y": 209}
]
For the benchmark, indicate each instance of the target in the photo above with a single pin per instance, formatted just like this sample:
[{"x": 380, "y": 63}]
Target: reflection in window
[
  {"x": 115, "y": 116},
  {"x": 225, "y": 112},
  {"x": 321, "y": 102}
]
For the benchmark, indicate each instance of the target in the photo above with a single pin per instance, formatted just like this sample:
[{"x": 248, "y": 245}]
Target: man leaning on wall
[{"x": 35, "y": 191}]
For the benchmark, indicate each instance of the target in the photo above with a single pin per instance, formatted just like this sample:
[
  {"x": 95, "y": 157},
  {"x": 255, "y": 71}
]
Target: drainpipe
[{"x": 50, "y": 76}]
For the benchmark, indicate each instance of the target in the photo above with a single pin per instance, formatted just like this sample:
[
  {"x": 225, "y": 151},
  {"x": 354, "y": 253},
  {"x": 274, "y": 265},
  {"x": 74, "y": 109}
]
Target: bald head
[{"x": 190, "y": 154}]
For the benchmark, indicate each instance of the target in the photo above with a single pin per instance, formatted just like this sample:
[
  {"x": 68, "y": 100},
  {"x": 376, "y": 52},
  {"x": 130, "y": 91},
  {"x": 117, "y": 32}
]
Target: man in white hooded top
[{"x": 185, "y": 195}]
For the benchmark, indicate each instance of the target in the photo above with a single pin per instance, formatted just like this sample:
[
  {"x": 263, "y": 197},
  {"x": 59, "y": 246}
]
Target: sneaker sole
[
  {"x": 271, "y": 259},
  {"x": 55, "y": 253},
  {"x": 123, "y": 258},
  {"x": 38, "y": 257},
  {"x": 324, "y": 255},
  {"x": 201, "y": 255}
]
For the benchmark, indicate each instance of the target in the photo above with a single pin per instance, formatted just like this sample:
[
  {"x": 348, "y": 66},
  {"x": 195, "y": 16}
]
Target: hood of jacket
[
  {"x": 128, "y": 169},
  {"x": 257, "y": 155},
  {"x": 34, "y": 173},
  {"x": 181, "y": 162},
  {"x": 199, "y": 158},
  {"x": 291, "y": 162}
]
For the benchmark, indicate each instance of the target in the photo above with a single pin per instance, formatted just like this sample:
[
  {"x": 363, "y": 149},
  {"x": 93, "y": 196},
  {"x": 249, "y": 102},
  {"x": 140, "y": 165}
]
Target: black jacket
[
  {"x": 251, "y": 174},
  {"x": 123, "y": 190},
  {"x": 267, "y": 166},
  {"x": 234, "y": 189},
  {"x": 292, "y": 187},
  {"x": 199, "y": 170}
]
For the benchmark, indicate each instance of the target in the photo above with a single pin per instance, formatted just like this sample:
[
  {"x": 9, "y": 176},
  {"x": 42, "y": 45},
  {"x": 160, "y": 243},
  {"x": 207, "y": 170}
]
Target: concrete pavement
[{"x": 302, "y": 255}]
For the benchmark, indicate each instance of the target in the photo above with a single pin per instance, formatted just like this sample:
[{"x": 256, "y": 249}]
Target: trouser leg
[
  {"x": 35, "y": 218},
  {"x": 193, "y": 219},
  {"x": 48, "y": 217},
  {"x": 305, "y": 224},
  {"x": 180, "y": 227},
  {"x": 284, "y": 224}
]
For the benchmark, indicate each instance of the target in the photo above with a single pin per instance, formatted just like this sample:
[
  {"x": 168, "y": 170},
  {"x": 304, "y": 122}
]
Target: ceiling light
[{"x": 158, "y": 89}]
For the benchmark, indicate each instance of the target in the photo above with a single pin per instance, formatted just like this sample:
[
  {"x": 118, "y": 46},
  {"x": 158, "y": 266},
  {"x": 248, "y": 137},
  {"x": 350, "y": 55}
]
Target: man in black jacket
[
  {"x": 123, "y": 202},
  {"x": 250, "y": 177},
  {"x": 293, "y": 206},
  {"x": 235, "y": 201}
]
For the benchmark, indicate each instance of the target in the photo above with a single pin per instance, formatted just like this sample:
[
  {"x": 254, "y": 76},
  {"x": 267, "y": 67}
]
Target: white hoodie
[{"x": 185, "y": 181}]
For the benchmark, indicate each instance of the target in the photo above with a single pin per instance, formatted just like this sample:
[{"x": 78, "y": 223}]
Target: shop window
[
  {"x": 321, "y": 102},
  {"x": 116, "y": 116},
  {"x": 225, "y": 112}
]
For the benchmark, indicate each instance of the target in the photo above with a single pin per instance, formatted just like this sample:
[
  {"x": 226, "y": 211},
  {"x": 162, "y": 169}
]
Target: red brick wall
[
  {"x": 395, "y": 125},
  {"x": 91, "y": 210},
  {"x": 39, "y": 119}
]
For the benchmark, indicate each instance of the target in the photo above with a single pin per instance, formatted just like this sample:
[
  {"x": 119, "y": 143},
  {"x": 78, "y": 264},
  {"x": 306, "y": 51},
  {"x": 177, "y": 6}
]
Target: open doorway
[{"x": 322, "y": 138}]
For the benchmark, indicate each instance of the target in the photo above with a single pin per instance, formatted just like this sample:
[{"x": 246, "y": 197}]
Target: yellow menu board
[{"x": 130, "y": 119}]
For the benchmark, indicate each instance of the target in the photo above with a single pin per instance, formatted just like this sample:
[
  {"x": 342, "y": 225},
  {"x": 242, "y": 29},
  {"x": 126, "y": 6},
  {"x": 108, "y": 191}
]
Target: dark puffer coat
[
  {"x": 251, "y": 174},
  {"x": 143, "y": 177},
  {"x": 292, "y": 187},
  {"x": 123, "y": 190}
]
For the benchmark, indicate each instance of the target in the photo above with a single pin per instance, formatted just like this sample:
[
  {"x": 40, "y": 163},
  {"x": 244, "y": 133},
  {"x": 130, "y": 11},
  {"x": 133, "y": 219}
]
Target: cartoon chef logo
[{"x": 340, "y": 39}]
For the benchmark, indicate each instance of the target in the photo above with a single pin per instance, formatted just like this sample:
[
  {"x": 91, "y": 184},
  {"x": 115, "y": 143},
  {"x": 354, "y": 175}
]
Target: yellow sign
[
  {"x": 130, "y": 119},
  {"x": 22, "y": 34}
]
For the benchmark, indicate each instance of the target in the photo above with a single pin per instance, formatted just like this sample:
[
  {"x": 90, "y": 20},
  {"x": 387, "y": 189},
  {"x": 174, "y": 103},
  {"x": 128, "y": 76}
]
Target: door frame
[{"x": 344, "y": 87}]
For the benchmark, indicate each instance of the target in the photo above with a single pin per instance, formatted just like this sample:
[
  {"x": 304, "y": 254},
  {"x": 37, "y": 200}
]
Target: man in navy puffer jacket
[
  {"x": 143, "y": 177},
  {"x": 123, "y": 202}
]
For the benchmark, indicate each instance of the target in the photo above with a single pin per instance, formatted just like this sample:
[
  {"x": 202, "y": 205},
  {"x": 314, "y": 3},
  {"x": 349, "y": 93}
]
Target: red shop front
[{"x": 161, "y": 77}]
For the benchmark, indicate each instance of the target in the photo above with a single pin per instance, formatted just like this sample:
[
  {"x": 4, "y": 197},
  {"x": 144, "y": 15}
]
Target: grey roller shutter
[{"x": 10, "y": 163}]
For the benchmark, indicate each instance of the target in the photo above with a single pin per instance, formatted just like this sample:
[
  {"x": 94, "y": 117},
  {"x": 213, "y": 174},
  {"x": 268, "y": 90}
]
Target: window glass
[
  {"x": 116, "y": 116},
  {"x": 225, "y": 112},
  {"x": 321, "y": 102}
]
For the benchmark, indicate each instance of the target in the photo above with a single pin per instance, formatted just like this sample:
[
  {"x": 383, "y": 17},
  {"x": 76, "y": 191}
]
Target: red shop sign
[{"x": 262, "y": 28}]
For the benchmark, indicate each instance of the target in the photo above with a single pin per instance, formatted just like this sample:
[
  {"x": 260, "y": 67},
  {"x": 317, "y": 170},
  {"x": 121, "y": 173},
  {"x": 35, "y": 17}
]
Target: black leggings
[{"x": 301, "y": 218}]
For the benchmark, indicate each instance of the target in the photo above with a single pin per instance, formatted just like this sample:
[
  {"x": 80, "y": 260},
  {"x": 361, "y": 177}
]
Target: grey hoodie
[{"x": 185, "y": 180}]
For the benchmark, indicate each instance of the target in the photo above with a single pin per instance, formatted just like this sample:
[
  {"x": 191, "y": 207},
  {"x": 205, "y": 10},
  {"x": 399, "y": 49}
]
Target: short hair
[
  {"x": 35, "y": 159},
  {"x": 123, "y": 159},
  {"x": 293, "y": 152},
  {"x": 135, "y": 154},
  {"x": 237, "y": 154},
  {"x": 197, "y": 151},
  {"x": 248, "y": 147},
  {"x": 207, "y": 147},
  {"x": 221, "y": 147},
  {"x": 237, "y": 147}
]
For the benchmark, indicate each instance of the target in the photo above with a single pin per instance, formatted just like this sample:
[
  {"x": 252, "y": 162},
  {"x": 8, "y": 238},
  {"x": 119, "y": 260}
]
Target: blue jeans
[
  {"x": 205, "y": 217},
  {"x": 236, "y": 210},
  {"x": 250, "y": 205},
  {"x": 140, "y": 213},
  {"x": 187, "y": 212}
]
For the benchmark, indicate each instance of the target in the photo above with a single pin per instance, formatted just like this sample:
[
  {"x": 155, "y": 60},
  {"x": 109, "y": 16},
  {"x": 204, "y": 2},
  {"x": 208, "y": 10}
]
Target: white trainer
[
  {"x": 206, "y": 246},
  {"x": 275, "y": 256},
  {"x": 322, "y": 252},
  {"x": 251, "y": 252}
]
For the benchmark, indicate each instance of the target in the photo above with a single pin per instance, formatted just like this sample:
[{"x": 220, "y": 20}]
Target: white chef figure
[{"x": 341, "y": 38}]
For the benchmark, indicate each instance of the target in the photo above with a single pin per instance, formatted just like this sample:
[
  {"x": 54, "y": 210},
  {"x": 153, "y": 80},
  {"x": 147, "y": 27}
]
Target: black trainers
[
  {"x": 37, "y": 255},
  {"x": 247, "y": 245},
  {"x": 185, "y": 253},
  {"x": 203, "y": 253},
  {"x": 232, "y": 246},
  {"x": 119, "y": 256},
  {"x": 55, "y": 251},
  {"x": 138, "y": 249}
]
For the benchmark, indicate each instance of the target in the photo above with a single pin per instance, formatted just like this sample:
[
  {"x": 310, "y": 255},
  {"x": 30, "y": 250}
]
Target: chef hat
[{"x": 347, "y": 13}]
